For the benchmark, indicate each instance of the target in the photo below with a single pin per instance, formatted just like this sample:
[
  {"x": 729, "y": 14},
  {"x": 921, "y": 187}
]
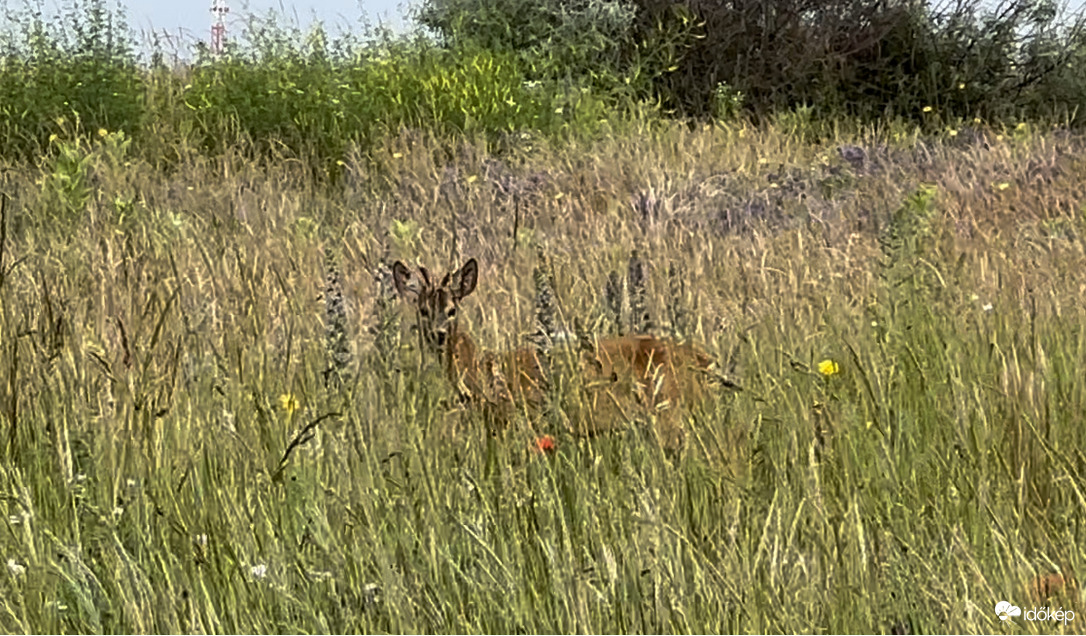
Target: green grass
[{"x": 151, "y": 322}]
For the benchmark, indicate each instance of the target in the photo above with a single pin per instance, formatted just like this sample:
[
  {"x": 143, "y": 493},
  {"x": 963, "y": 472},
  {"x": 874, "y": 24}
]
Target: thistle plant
[
  {"x": 640, "y": 318},
  {"x": 615, "y": 298},
  {"x": 336, "y": 334},
  {"x": 677, "y": 312}
]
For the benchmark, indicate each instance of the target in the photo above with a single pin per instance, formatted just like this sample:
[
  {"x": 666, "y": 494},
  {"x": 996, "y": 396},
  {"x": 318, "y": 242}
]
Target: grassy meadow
[
  {"x": 198, "y": 435},
  {"x": 217, "y": 416}
]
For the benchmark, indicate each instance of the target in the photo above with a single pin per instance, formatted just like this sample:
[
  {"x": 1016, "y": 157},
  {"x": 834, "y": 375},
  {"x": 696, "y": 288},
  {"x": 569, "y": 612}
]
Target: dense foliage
[{"x": 558, "y": 68}]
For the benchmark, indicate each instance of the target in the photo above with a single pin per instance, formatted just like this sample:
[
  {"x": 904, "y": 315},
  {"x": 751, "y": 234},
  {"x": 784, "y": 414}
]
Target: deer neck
[{"x": 460, "y": 353}]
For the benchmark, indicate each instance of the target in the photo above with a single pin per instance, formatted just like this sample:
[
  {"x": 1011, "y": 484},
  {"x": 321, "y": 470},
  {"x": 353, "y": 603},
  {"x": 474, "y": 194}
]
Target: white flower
[
  {"x": 15, "y": 568},
  {"x": 371, "y": 594},
  {"x": 260, "y": 570}
]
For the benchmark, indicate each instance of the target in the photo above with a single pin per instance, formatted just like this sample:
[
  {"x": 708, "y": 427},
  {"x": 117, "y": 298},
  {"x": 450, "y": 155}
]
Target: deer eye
[{"x": 451, "y": 311}]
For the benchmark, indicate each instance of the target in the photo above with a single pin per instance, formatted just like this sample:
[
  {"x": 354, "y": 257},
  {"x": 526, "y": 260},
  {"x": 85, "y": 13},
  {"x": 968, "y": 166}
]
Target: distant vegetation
[{"x": 560, "y": 68}]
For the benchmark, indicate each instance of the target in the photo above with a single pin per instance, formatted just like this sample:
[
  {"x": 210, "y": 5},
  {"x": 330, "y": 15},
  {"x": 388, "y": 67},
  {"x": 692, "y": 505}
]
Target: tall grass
[{"x": 901, "y": 320}]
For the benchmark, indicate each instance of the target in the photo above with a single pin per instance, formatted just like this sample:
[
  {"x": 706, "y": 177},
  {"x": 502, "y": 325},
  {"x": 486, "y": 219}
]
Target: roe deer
[{"x": 618, "y": 376}]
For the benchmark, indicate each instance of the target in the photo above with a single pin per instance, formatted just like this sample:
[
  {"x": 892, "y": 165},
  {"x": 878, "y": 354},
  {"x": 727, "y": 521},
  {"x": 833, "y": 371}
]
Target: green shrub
[
  {"x": 879, "y": 60},
  {"x": 319, "y": 103},
  {"x": 276, "y": 89},
  {"x": 595, "y": 43},
  {"x": 80, "y": 67}
]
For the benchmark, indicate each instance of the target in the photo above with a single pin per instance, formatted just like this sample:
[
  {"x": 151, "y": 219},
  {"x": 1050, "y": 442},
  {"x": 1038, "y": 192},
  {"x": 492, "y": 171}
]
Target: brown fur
[
  {"x": 619, "y": 378},
  {"x": 1053, "y": 585}
]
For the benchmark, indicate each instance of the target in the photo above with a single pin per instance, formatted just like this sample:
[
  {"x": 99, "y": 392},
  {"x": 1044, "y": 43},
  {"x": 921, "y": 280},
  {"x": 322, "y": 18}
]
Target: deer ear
[
  {"x": 465, "y": 279},
  {"x": 406, "y": 284}
]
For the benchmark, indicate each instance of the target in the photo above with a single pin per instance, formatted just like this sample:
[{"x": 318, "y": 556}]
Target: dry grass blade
[{"x": 302, "y": 437}]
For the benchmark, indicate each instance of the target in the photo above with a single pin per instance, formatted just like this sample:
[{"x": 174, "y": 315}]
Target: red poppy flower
[{"x": 546, "y": 444}]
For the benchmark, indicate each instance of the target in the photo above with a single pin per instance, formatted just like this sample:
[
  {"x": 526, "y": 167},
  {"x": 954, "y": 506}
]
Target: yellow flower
[
  {"x": 102, "y": 132},
  {"x": 828, "y": 367},
  {"x": 1002, "y": 186},
  {"x": 926, "y": 109},
  {"x": 288, "y": 403}
]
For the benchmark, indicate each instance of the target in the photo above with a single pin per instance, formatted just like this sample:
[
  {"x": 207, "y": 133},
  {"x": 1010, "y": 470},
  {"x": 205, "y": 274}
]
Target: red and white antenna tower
[{"x": 218, "y": 27}]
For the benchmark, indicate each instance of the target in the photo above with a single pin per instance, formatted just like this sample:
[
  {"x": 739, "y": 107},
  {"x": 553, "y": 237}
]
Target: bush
[
  {"x": 276, "y": 90},
  {"x": 840, "y": 57},
  {"x": 874, "y": 60},
  {"x": 594, "y": 43},
  {"x": 315, "y": 102},
  {"x": 87, "y": 72}
]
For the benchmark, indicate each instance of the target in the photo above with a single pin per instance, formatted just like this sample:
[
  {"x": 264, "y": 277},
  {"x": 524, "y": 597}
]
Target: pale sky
[
  {"x": 192, "y": 18},
  {"x": 183, "y": 22}
]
